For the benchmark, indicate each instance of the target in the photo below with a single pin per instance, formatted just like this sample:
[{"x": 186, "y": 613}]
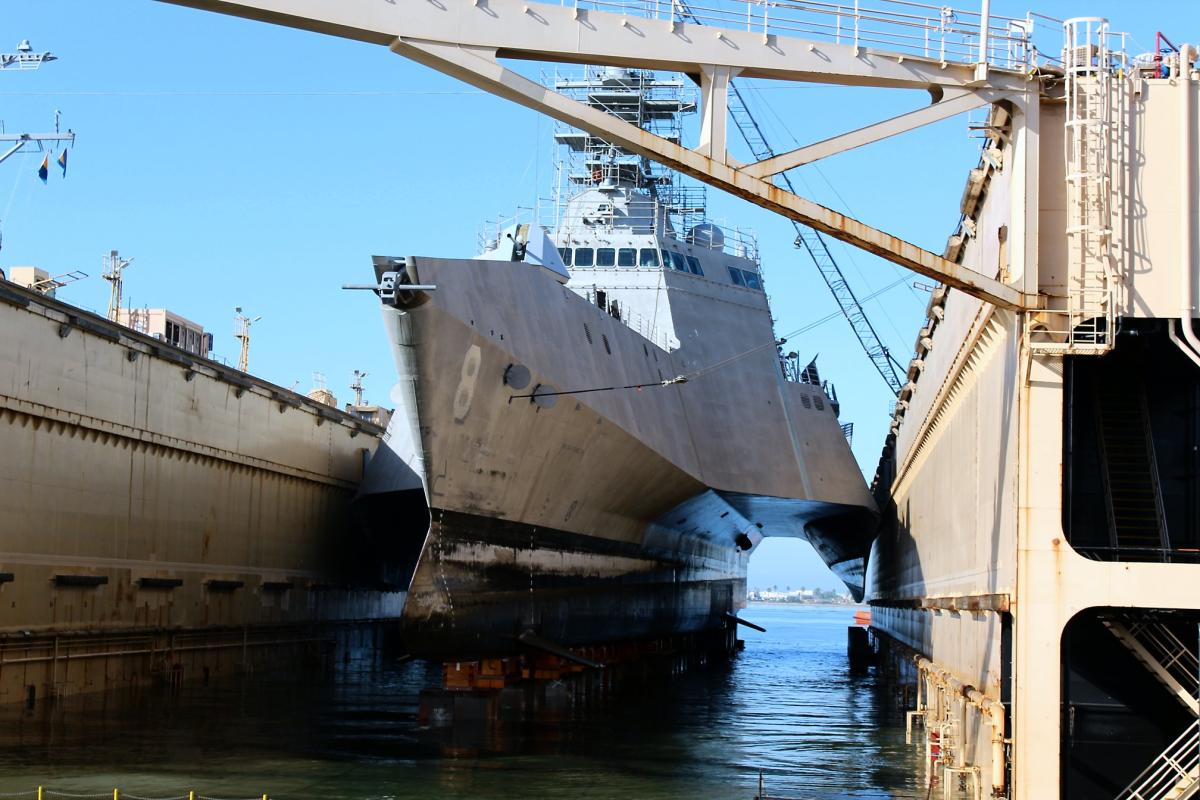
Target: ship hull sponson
[{"x": 482, "y": 581}]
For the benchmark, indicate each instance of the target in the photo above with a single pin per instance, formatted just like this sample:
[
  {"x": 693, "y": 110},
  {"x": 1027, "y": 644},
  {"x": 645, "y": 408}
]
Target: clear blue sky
[{"x": 243, "y": 164}]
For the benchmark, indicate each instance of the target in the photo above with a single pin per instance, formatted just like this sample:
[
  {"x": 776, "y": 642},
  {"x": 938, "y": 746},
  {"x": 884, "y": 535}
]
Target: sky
[{"x": 241, "y": 164}]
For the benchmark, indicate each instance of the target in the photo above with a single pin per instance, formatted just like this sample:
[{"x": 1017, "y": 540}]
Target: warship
[{"x": 597, "y": 416}]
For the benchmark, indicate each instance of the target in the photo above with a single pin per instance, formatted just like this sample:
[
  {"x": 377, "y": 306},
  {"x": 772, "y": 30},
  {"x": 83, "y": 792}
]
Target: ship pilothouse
[
  {"x": 622, "y": 224},
  {"x": 626, "y": 221}
]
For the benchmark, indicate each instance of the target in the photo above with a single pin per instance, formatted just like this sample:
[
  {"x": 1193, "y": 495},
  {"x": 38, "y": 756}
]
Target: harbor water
[{"x": 787, "y": 705}]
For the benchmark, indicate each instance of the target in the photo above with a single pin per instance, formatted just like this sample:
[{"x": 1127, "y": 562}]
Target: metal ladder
[{"x": 1082, "y": 322}]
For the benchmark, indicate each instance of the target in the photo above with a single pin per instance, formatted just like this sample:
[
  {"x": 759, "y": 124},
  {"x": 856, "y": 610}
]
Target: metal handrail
[
  {"x": 736, "y": 240},
  {"x": 1138, "y": 554},
  {"x": 1173, "y": 655},
  {"x": 910, "y": 28},
  {"x": 1177, "y": 766}
]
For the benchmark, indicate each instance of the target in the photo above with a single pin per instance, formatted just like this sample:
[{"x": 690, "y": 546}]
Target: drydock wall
[
  {"x": 143, "y": 491},
  {"x": 976, "y": 572}
]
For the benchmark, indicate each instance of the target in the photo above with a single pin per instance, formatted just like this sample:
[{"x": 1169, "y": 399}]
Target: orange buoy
[{"x": 862, "y": 617}]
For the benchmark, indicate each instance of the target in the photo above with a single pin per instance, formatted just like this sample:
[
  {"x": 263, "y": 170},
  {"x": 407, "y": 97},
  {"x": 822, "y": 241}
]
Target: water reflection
[{"x": 787, "y": 705}]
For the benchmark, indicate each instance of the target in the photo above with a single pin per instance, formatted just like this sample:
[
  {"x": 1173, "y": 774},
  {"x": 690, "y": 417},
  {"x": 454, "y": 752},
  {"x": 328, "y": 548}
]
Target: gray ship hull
[{"x": 593, "y": 517}]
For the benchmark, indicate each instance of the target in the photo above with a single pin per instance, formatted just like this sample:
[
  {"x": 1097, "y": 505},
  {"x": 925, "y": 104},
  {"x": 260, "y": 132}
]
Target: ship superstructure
[{"x": 598, "y": 416}]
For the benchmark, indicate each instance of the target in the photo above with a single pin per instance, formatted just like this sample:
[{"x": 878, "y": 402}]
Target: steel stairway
[
  {"x": 1175, "y": 773},
  {"x": 1171, "y": 661},
  {"x": 1129, "y": 468}
]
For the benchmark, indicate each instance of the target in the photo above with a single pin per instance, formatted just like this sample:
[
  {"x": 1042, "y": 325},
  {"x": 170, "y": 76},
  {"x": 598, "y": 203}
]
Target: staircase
[
  {"x": 1136, "y": 519},
  {"x": 1175, "y": 773},
  {"x": 1171, "y": 661}
]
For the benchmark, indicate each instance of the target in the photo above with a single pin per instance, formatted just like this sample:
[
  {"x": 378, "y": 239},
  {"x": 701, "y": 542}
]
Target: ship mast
[
  {"x": 357, "y": 387},
  {"x": 241, "y": 332},
  {"x": 25, "y": 59},
  {"x": 642, "y": 98},
  {"x": 114, "y": 273}
]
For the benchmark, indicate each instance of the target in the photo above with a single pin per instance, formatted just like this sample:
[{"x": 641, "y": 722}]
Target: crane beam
[
  {"x": 947, "y": 107},
  {"x": 479, "y": 67},
  {"x": 571, "y": 33},
  {"x": 466, "y": 39}
]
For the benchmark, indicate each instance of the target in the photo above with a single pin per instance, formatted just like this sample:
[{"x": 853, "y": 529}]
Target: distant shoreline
[{"x": 830, "y": 603}]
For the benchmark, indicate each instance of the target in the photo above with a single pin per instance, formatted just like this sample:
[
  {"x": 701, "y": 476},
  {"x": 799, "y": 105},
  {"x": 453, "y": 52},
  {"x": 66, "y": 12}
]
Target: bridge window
[
  {"x": 735, "y": 275},
  {"x": 752, "y": 281},
  {"x": 677, "y": 261},
  {"x": 565, "y": 253},
  {"x": 606, "y": 257},
  {"x": 627, "y": 257},
  {"x": 649, "y": 257},
  {"x": 694, "y": 265},
  {"x": 584, "y": 256}
]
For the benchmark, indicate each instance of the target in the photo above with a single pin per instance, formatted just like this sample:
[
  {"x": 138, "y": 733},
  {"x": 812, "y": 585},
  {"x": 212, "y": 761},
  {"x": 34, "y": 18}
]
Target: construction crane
[
  {"x": 812, "y": 241},
  {"x": 241, "y": 332}
]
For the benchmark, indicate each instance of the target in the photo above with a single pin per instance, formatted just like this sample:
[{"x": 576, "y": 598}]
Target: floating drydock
[
  {"x": 162, "y": 514},
  {"x": 1036, "y": 574}
]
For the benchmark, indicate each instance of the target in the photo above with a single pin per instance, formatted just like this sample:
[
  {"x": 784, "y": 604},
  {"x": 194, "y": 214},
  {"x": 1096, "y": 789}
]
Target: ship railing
[
  {"x": 652, "y": 218},
  {"x": 1176, "y": 555},
  {"x": 490, "y": 233},
  {"x": 928, "y": 30}
]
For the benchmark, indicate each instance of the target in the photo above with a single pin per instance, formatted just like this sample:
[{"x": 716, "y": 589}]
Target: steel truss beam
[
  {"x": 948, "y": 107},
  {"x": 465, "y": 39}
]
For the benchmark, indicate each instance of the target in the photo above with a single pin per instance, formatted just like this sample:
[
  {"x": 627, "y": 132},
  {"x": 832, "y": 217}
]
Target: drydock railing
[
  {"x": 42, "y": 793},
  {"x": 909, "y": 28}
]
